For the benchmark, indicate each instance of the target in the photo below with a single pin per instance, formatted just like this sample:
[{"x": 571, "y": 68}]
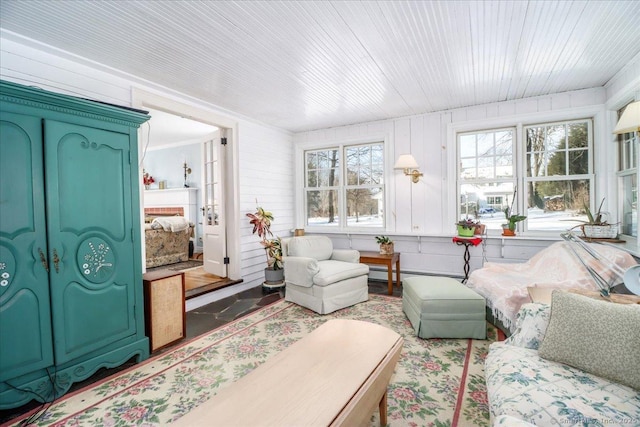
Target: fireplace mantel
[{"x": 186, "y": 198}]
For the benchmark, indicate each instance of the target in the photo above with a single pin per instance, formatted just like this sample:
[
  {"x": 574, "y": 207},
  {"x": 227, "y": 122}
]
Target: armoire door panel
[
  {"x": 90, "y": 167},
  {"x": 89, "y": 227},
  {"x": 103, "y": 314},
  {"x": 18, "y": 186},
  {"x": 25, "y": 330},
  {"x": 22, "y": 351}
]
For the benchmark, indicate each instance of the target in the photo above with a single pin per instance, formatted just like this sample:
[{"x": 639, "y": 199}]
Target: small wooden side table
[
  {"x": 164, "y": 308},
  {"x": 367, "y": 257}
]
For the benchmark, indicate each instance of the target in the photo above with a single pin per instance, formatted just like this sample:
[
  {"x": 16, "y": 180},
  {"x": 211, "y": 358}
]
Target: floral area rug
[{"x": 438, "y": 382}]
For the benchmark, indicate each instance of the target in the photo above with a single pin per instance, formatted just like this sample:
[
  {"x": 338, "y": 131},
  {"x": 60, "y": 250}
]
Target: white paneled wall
[
  {"x": 266, "y": 177},
  {"x": 265, "y": 155},
  {"x": 422, "y": 215}
]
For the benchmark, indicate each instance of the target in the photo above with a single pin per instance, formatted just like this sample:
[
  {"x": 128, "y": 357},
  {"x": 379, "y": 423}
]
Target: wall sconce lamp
[
  {"x": 408, "y": 164},
  {"x": 630, "y": 119},
  {"x": 187, "y": 171}
]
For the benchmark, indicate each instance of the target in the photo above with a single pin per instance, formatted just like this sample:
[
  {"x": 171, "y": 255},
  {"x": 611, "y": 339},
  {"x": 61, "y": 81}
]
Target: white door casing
[{"x": 213, "y": 213}]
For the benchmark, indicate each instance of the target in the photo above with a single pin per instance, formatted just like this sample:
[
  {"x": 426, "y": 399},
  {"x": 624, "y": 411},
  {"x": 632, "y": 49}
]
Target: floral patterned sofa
[
  {"x": 524, "y": 389},
  {"x": 167, "y": 241}
]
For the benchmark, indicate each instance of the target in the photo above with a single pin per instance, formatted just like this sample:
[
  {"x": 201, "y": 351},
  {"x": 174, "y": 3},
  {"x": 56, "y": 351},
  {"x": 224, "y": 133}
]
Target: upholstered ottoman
[{"x": 441, "y": 307}]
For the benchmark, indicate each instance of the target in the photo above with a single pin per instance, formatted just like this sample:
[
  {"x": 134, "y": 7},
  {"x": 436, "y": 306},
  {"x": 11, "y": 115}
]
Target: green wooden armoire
[{"x": 71, "y": 295}]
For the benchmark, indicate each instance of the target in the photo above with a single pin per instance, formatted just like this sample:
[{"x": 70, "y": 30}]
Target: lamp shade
[
  {"x": 630, "y": 119},
  {"x": 406, "y": 161}
]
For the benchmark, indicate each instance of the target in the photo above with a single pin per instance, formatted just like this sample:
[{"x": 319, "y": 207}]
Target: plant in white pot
[
  {"x": 596, "y": 227},
  {"x": 386, "y": 245},
  {"x": 261, "y": 221}
]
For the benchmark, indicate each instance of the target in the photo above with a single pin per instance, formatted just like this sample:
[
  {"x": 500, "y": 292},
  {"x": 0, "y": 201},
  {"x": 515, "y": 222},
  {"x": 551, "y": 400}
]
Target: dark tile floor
[
  {"x": 200, "y": 321},
  {"x": 218, "y": 313}
]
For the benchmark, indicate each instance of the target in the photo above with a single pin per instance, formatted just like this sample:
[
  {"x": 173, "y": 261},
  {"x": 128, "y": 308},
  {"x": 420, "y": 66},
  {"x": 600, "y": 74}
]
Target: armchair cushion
[
  {"x": 331, "y": 271},
  {"x": 318, "y": 247},
  {"x": 346, "y": 255},
  {"x": 300, "y": 270}
]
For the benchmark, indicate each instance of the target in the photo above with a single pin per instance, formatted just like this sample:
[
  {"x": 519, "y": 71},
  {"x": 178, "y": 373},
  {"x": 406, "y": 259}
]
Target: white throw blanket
[
  {"x": 170, "y": 223},
  {"x": 504, "y": 285}
]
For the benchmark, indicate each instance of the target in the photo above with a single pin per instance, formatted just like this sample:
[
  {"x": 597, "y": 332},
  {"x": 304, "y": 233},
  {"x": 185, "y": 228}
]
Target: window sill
[{"x": 630, "y": 245}]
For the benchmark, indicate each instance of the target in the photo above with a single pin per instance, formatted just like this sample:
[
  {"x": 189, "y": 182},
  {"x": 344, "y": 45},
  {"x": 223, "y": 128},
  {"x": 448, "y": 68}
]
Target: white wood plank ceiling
[{"x": 302, "y": 65}]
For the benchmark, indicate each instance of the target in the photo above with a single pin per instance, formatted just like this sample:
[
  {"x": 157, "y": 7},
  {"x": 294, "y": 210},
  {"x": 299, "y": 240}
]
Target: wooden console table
[
  {"x": 367, "y": 257},
  {"x": 335, "y": 376}
]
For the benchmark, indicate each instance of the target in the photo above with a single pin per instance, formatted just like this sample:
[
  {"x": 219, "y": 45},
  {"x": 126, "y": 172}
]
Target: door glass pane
[{"x": 212, "y": 189}]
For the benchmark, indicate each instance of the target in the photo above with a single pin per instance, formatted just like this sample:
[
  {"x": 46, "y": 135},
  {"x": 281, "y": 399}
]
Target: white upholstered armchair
[{"x": 321, "y": 278}]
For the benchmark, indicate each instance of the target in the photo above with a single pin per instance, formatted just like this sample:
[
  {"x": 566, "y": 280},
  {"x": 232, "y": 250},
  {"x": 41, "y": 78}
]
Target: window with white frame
[
  {"x": 556, "y": 183},
  {"x": 344, "y": 187},
  {"x": 558, "y": 178},
  {"x": 486, "y": 175},
  {"x": 628, "y": 182}
]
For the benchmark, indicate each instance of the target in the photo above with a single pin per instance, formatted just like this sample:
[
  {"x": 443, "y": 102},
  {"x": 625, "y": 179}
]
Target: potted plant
[
  {"x": 466, "y": 227},
  {"x": 386, "y": 245},
  {"x": 509, "y": 229},
  {"x": 261, "y": 221},
  {"x": 596, "y": 226}
]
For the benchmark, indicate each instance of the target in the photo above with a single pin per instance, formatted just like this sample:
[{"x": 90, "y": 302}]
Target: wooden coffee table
[
  {"x": 336, "y": 375},
  {"x": 369, "y": 257}
]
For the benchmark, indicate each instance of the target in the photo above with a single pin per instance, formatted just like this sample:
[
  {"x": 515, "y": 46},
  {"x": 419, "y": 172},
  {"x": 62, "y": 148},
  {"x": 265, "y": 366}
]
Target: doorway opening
[{"x": 199, "y": 171}]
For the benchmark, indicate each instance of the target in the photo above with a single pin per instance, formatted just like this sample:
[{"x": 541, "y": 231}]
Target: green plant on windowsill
[
  {"x": 512, "y": 219},
  {"x": 467, "y": 227},
  {"x": 597, "y": 219},
  {"x": 467, "y": 223},
  {"x": 596, "y": 226}
]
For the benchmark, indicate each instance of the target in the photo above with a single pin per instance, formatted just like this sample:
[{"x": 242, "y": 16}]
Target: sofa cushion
[
  {"x": 330, "y": 271},
  {"x": 318, "y": 247},
  {"x": 599, "y": 337},
  {"x": 546, "y": 393},
  {"x": 531, "y": 324}
]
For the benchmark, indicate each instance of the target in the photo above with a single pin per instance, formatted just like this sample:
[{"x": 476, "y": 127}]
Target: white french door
[{"x": 213, "y": 220}]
